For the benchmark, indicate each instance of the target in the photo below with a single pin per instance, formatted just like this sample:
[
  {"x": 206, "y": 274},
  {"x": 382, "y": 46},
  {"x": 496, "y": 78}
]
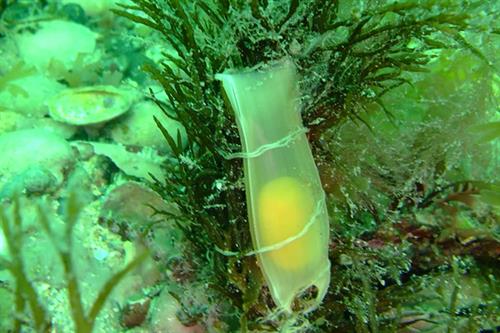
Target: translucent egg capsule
[{"x": 286, "y": 203}]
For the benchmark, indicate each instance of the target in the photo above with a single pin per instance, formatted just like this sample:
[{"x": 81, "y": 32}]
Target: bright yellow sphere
[{"x": 285, "y": 206}]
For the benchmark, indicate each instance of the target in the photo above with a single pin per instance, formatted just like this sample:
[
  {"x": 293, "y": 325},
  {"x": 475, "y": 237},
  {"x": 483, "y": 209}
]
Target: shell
[{"x": 91, "y": 105}]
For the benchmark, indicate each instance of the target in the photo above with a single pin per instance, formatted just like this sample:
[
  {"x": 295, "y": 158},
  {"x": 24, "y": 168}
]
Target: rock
[
  {"x": 9, "y": 56},
  {"x": 65, "y": 131},
  {"x": 138, "y": 128},
  {"x": 84, "y": 150},
  {"x": 28, "y": 94},
  {"x": 34, "y": 180},
  {"x": 127, "y": 209},
  {"x": 164, "y": 316},
  {"x": 57, "y": 40},
  {"x": 93, "y": 7},
  {"x": 91, "y": 105},
  {"x": 140, "y": 164},
  {"x": 135, "y": 312},
  {"x": 12, "y": 121},
  {"x": 74, "y": 12},
  {"x": 24, "y": 149}
]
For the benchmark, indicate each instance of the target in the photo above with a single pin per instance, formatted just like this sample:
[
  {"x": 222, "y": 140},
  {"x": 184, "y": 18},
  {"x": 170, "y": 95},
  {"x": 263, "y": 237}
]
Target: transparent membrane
[{"x": 286, "y": 203}]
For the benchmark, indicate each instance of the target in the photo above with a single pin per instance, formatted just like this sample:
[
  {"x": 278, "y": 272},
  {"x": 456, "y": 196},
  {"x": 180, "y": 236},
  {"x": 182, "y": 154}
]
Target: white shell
[{"x": 91, "y": 105}]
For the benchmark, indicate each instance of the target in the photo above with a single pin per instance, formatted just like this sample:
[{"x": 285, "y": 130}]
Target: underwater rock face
[
  {"x": 50, "y": 125},
  {"x": 93, "y": 7},
  {"x": 399, "y": 101},
  {"x": 29, "y": 95},
  {"x": 91, "y": 105},
  {"x": 25, "y": 149},
  {"x": 164, "y": 316},
  {"x": 140, "y": 165},
  {"x": 57, "y": 40},
  {"x": 138, "y": 128},
  {"x": 11, "y": 121},
  {"x": 127, "y": 208},
  {"x": 34, "y": 180}
]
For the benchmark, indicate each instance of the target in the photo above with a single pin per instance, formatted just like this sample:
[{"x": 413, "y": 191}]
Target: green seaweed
[
  {"x": 24, "y": 291},
  {"x": 360, "y": 61},
  {"x": 38, "y": 318}
]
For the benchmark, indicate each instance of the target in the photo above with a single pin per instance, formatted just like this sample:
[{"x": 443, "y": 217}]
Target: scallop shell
[{"x": 91, "y": 105}]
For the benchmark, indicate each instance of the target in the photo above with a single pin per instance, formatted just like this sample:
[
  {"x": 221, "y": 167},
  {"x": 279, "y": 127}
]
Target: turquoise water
[{"x": 130, "y": 200}]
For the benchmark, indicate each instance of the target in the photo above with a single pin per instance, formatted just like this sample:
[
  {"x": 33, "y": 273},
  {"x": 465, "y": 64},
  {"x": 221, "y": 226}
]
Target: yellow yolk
[{"x": 285, "y": 207}]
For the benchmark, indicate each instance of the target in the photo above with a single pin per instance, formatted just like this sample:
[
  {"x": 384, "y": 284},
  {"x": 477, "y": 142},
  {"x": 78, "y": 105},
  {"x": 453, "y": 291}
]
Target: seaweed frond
[
  {"x": 350, "y": 55},
  {"x": 25, "y": 293},
  {"x": 38, "y": 317}
]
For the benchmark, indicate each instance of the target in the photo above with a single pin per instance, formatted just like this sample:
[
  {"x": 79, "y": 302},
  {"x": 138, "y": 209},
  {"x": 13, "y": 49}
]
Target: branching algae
[
  {"x": 358, "y": 62},
  {"x": 285, "y": 200},
  {"x": 30, "y": 312}
]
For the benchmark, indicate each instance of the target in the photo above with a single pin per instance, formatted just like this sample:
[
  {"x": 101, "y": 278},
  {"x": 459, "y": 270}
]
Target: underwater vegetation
[
  {"x": 25, "y": 295},
  {"x": 382, "y": 93},
  {"x": 399, "y": 105}
]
